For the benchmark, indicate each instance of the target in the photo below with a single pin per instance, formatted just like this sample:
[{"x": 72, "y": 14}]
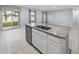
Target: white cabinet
[
  {"x": 48, "y": 43},
  {"x": 57, "y": 45},
  {"x": 39, "y": 41},
  {"x": 35, "y": 39},
  {"x": 55, "y": 39},
  {"x": 43, "y": 42},
  {"x": 54, "y": 48}
]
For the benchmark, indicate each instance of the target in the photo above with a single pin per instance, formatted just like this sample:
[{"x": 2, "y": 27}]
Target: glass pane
[
  {"x": 6, "y": 16},
  {"x": 8, "y": 12},
  {"x": 15, "y": 18},
  {"x": 3, "y": 18},
  {"x": 9, "y": 19},
  {"x": 32, "y": 12},
  {"x": 32, "y": 16},
  {"x": 44, "y": 17}
]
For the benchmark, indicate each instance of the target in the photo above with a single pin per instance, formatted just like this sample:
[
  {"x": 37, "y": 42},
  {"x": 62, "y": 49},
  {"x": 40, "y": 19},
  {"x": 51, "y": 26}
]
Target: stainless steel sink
[{"x": 43, "y": 27}]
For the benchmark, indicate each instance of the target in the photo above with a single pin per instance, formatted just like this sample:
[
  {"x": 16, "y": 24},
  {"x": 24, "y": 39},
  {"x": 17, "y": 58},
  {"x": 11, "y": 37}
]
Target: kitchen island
[{"x": 51, "y": 41}]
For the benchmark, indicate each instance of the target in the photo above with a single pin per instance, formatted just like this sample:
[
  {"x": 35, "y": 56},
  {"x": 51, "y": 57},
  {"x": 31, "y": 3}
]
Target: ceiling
[{"x": 49, "y": 7}]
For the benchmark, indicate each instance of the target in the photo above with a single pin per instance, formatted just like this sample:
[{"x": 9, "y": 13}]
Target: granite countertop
[{"x": 56, "y": 30}]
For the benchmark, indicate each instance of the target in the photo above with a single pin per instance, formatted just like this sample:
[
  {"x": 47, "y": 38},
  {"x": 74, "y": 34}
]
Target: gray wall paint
[
  {"x": 62, "y": 17},
  {"x": 39, "y": 16}
]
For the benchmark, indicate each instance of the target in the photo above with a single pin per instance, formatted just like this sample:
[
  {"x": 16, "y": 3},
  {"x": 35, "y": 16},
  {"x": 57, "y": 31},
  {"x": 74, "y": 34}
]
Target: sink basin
[{"x": 43, "y": 27}]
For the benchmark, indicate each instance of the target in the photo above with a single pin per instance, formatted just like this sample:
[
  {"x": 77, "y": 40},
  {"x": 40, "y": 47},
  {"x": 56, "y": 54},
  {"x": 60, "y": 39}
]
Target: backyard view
[{"x": 10, "y": 19}]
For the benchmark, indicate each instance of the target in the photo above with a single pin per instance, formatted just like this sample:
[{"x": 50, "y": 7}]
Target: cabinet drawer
[
  {"x": 55, "y": 39},
  {"x": 39, "y": 32},
  {"x": 39, "y": 42},
  {"x": 53, "y": 48}
]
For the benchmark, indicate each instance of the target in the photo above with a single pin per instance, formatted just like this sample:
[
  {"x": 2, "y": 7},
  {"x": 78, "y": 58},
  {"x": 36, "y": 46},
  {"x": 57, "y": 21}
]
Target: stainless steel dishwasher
[{"x": 29, "y": 34}]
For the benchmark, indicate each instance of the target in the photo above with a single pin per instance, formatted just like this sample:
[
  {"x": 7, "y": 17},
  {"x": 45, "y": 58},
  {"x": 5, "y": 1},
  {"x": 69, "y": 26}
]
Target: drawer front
[
  {"x": 55, "y": 39},
  {"x": 35, "y": 40},
  {"x": 39, "y": 42},
  {"x": 54, "y": 48},
  {"x": 39, "y": 32}
]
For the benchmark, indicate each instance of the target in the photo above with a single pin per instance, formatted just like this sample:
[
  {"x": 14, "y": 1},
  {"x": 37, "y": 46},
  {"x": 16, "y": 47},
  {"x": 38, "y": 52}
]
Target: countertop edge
[{"x": 48, "y": 32}]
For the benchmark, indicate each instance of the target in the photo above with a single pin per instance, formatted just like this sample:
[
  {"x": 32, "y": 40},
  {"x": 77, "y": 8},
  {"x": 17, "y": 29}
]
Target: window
[
  {"x": 10, "y": 18},
  {"x": 32, "y": 16},
  {"x": 6, "y": 16},
  {"x": 44, "y": 17}
]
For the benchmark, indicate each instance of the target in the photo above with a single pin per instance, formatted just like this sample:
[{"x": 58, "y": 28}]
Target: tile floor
[{"x": 13, "y": 42}]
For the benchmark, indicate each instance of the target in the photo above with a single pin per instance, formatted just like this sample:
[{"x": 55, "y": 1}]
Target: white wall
[
  {"x": 24, "y": 14},
  {"x": 38, "y": 16},
  {"x": 24, "y": 17},
  {"x": 61, "y": 17},
  {"x": 74, "y": 40},
  {"x": 76, "y": 17},
  {"x": 0, "y": 20},
  {"x": 74, "y": 33}
]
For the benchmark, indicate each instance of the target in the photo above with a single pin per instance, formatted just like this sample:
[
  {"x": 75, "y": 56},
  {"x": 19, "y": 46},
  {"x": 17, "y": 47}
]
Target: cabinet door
[
  {"x": 39, "y": 42},
  {"x": 53, "y": 48}
]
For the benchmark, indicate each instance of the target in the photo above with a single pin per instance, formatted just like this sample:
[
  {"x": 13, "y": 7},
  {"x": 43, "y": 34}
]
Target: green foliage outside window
[{"x": 7, "y": 24}]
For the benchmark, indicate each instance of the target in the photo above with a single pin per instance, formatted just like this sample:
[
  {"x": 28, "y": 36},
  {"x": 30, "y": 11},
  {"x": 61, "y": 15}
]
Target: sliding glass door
[{"x": 10, "y": 19}]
